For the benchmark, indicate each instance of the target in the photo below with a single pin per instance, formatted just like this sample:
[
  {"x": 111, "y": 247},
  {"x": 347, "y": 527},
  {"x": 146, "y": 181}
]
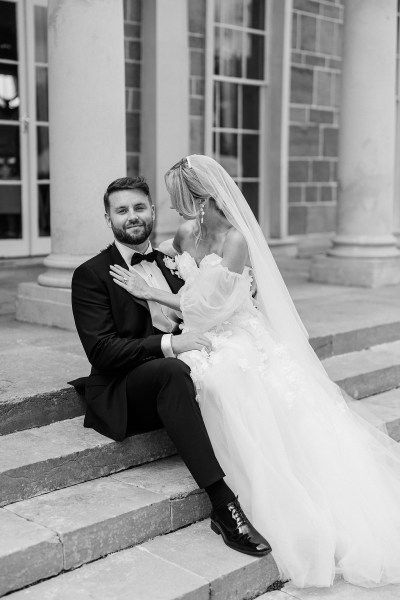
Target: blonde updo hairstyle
[
  {"x": 189, "y": 193},
  {"x": 185, "y": 189}
]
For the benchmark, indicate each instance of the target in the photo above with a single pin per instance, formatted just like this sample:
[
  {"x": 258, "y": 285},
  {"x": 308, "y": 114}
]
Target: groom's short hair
[{"x": 126, "y": 183}]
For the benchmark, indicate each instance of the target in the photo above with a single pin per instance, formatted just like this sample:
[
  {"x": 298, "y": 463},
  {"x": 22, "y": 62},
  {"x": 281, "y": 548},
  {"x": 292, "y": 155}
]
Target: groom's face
[{"x": 131, "y": 216}]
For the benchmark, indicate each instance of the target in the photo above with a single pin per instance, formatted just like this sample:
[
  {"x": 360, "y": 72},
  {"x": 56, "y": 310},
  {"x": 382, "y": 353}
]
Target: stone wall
[
  {"x": 196, "y": 33},
  {"x": 132, "y": 25},
  {"x": 197, "y": 25},
  {"x": 315, "y": 89}
]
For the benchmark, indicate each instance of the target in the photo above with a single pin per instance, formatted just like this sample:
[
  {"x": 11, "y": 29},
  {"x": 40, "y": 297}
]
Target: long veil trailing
[
  {"x": 330, "y": 480},
  {"x": 272, "y": 294},
  {"x": 273, "y": 297}
]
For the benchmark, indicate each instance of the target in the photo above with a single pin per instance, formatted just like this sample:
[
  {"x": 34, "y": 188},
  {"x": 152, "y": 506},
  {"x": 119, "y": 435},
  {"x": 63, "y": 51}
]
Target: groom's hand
[{"x": 190, "y": 341}]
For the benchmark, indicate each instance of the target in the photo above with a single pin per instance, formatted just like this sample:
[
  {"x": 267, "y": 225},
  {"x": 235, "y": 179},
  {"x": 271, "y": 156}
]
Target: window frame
[
  {"x": 19, "y": 246},
  {"x": 30, "y": 243},
  {"x": 262, "y": 84},
  {"x": 38, "y": 244}
]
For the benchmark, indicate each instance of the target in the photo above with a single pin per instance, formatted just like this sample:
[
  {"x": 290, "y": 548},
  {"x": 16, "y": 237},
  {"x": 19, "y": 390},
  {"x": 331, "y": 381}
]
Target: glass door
[
  {"x": 14, "y": 218},
  {"x": 24, "y": 127}
]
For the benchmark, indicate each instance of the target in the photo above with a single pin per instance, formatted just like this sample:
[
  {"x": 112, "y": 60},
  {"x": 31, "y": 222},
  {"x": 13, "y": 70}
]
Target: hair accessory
[
  {"x": 178, "y": 164},
  {"x": 188, "y": 162}
]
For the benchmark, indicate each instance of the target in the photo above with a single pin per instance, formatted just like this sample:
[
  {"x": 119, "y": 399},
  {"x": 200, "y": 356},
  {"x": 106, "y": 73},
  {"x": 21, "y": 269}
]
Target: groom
[{"x": 136, "y": 383}]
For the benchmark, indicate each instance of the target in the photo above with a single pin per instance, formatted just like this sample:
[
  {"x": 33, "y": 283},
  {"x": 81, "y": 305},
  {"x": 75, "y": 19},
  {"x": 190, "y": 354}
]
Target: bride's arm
[
  {"x": 135, "y": 285},
  {"x": 236, "y": 256},
  {"x": 235, "y": 253}
]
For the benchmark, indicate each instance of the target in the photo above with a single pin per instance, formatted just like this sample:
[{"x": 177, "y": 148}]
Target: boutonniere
[
  {"x": 170, "y": 263},
  {"x": 106, "y": 248}
]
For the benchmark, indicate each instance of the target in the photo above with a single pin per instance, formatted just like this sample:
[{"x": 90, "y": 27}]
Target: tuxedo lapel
[
  {"x": 116, "y": 259},
  {"x": 174, "y": 282}
]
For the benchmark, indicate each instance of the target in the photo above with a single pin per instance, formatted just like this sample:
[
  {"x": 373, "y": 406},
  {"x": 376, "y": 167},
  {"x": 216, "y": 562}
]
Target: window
[
  {"x": 239, "y": 79},
  {"x": 10, "y": 152},
  {"x": 24, "y": 129}
]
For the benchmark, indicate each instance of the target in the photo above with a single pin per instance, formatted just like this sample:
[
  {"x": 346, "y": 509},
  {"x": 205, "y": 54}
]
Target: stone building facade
[
  {"x": 314, "y": 116},
  {"x": 313, "y": 119},
  {"x": 255, "y": 83},
  {"x": 315, "y": 63},
  {"x": 315, "y": 70}
]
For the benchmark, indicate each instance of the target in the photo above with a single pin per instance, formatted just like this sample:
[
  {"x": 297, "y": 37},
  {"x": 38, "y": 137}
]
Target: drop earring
[{"x": 202, "y": 212}]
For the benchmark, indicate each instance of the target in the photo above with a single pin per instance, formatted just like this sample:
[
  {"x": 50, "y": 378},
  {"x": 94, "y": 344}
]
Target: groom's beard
[{"x": 134, "y": 236}]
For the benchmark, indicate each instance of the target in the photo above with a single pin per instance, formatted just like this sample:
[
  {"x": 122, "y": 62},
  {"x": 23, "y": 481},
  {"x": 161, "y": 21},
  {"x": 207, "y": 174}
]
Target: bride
[{"x": 320, "y": 483}]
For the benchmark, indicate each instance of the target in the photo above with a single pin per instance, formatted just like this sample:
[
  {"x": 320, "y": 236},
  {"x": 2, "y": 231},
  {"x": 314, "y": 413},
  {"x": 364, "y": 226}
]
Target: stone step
[
  {"x": 35, "y": 410},
  {"x": 35, "y": 365},
  {"x": 55, "y": 456},
  {"x": 354, "y": 339},
  {"x": 382, "y": 410},
  {"x": 44, "y": 459},
  {"x": 35, "y": 392},
  {"x": 61, "y": 530},
  {"x": 190, "y": 564},
  {"x": 366, "y": 372}
]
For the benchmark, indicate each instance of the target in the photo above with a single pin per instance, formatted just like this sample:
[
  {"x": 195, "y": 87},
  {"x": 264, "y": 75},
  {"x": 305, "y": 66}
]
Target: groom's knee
[{"x": 172, "y": 369}]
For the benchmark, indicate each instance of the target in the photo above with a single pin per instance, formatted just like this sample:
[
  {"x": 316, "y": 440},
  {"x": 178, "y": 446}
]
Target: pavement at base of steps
[
  {"x": 325, "y": 309},
  {"x": 315, "y": 302}
]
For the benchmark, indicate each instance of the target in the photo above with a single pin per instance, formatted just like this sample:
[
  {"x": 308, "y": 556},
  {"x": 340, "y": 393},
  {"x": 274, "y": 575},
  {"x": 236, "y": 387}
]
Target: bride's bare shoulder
[
  {"x": 184, "y": 235},
  {"x": 235, "y": 241},
  {"x": 235, "y": 252}
]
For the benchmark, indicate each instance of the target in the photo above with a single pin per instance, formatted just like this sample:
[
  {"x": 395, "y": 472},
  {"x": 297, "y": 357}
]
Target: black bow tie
[{"x": 137, "y": 257}]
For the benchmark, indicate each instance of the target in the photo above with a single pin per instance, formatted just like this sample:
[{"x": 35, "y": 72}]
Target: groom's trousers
[{"x": 161, "y": 394}]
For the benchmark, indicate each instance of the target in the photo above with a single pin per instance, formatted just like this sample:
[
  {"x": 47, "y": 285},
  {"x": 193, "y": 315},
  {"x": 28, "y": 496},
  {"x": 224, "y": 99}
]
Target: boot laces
[{"x": 238, "y": 515}]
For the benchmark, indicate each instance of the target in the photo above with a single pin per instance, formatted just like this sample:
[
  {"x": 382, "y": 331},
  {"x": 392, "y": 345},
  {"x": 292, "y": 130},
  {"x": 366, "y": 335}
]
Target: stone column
[
  {"x": 165, "y": 101},
  {"x": 364, "y": 249},
  {"x": 274, "y": 218},
  {"x": 87, "y": 145}
]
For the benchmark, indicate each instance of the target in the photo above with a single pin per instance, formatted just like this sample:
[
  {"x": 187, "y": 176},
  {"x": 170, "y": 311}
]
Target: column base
[
  {"x": 362, "y": 272},
  {"x": 44, "y": 306},
  {"x": 60, "y": 268},
  {"x": 286, "y": 246},
  {"x": 312, "y": 244}
]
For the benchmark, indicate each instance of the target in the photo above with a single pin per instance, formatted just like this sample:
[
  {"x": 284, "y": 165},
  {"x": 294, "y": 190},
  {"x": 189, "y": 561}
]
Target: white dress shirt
[{"x": 163, "y": 318}]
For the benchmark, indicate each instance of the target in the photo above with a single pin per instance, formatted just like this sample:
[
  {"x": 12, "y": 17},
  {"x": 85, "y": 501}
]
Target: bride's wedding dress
[{"x": 320, "y": 483}]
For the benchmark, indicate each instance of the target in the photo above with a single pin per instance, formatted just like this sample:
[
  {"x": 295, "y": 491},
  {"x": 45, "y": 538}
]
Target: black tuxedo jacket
[{"x": 117, "y": 335}]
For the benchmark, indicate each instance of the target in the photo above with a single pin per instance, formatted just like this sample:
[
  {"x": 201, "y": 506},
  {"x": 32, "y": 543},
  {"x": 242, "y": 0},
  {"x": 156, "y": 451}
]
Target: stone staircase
[{"x": 84, "y": 517}]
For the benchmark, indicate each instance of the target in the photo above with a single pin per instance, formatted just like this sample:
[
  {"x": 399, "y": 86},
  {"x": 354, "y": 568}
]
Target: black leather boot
[{"x": 237, "y": 531}]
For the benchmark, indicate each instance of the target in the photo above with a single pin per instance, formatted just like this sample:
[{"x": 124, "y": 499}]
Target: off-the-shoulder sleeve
[{"x": 213, "y": 296}]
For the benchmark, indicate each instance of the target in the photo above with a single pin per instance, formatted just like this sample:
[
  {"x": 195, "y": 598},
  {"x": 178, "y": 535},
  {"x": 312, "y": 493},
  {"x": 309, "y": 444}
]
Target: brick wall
[
  {"x": 196, "y": 32},
  {"x": 197, "y": 25},
  {"x": 315, "y": 89},
  {"x": 132, "y": 25}
]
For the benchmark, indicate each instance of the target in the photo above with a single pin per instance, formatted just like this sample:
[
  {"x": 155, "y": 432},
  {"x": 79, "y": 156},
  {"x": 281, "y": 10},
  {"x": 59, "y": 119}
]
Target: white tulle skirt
[{"x": 319, "y": 482}]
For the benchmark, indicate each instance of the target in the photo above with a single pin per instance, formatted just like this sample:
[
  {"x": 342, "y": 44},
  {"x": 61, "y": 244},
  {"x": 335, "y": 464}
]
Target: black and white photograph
[{"x": 200, "y": 299}]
